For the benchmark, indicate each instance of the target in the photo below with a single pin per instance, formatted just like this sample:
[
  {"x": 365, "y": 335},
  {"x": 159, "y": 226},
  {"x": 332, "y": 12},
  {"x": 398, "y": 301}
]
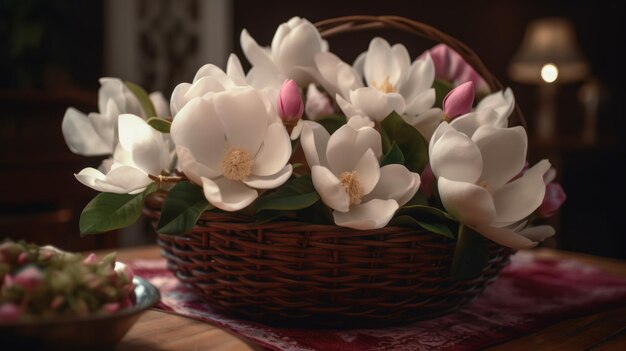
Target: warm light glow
[{"x": 549, "y": 73}]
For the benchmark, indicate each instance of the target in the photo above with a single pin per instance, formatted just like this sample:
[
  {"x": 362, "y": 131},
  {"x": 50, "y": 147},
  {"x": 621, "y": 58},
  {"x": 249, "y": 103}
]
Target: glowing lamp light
[{"x": 549, "y": 73}]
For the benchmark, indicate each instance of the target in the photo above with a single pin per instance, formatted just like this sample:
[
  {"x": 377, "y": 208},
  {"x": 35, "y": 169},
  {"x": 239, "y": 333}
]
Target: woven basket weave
[{"x": 290, "y": 273}]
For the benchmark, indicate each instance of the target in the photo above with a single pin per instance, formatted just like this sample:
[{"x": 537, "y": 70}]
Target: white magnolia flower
[
  {"x": 392, "y": 84},
  {"x": 228, "y": 143},
  {"x": 346, "y": 173},
  {"x": 208, "y": 79},
  {"x": 474, "y": 168},
  {"x": 142, "y": 151},
  {"x": 291, "y": 54},
  {"x": 95, "y": 134}
]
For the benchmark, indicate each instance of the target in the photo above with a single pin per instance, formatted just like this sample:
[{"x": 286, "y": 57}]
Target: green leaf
[
  {"x": 436, "y": 227},
  {"x": 109, "y": 211},
  {"x": 182, "y": 207},
  {"x": 332, "y": 122},
  {"x": 425, "y": 209},
  {"x": 470, "y": 256},
  {"x": 143, "y": 97},
  {"x": 412, "y": 144},
  {"x": 393, "y": 155},
  {"x": 160, "y": 124},
  {"x": 296, "y": 194},
  {"x": 442, "y": 88}
]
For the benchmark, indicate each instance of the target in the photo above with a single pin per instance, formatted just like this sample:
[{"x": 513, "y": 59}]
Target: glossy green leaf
[
  {"x": 182, "y": 207},
  {"x": 332, "y": 122},
  {"x": 109, "y": 211},
  {"x": 425, "y": 209},
  {"x": 471, "y": 254},
  {"x": 442, "y": 88},
  {"x": 160, "y": 124},
  {"x": 295, "y": 194},
  {"x": 143, "y": 98},
  {"x": 412, "y": 144},
  {"x": 393, "y": 155},
  {"x": 437, "y": 227}
]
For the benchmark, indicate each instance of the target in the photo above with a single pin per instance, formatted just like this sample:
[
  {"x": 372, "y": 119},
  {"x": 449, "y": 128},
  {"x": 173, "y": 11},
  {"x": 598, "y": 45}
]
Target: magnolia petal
[
  {"x": 347, "y": 145},
  {"x": 358, "y": 122},
  {"x": 330, "y": 189},
  {"x": 505, "y": 237},
  {"x": 375, "y": 104},
  {"x": 421, "y": 102},
  {"x": 503, "y": 152},
  {"x": 234, "y": 70},
  {"x": 396, "y": 183},
  {"x": 253, "y": 52},
  {"x": 402, "y": 62},
  {"x": 198, "y": 128},
  {"x": 120, "y": 180},
  {"x": 298, "y": 48},
  {"x": 270, "y": 181},
  {"x": 443, "y": 128},
  {"x": 421, "y": 77},
  {"x": 178, "y": 100},
  {"x": 469, "y": 123},
  {"x": 274, "y": 152},
  {"x": 348, "y": 109},
  {"x": 244, "y": 117},
  {"x": 105, "y": 123},
  {"x": 143, "y": 142},
  {"x": 111, "y": 90},
  {"x": 459, "y": 100},
  {"x": 314, "y": 141},
  {"x": 538, "y": 233},
  {"x": 373, "y": 214},
  {"x": 80, "y": 135},
  {"x": 467, "y": 202},
  {"x": 519, "y": 198},
  {"x": 228, "y": 195},
  {"x": 368, "y": 171},
  {"x": 203, "y": 86},
  {"x": 379, "y": 63},
  {"x": 501, "y": 102},
  {"x": 192, "y": 168},
  {"x": 455, "y": 157}
]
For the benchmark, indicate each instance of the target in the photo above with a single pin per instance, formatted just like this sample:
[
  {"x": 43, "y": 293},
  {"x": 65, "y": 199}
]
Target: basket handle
[{"x": 339, "y": 25}]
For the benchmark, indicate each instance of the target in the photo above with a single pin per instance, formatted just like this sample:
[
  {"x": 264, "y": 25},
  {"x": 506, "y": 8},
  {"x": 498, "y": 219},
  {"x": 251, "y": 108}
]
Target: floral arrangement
[
  {"x": 38, "y": 282},
  {"x": 305, "y": 136}
]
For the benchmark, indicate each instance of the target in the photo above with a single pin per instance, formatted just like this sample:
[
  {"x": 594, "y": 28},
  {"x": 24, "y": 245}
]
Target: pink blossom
[
  {"x": 29, "y": 277},
  {"x": 111, "y": 307},
  {"x": 459, "y": 100},
  {"x": 290, "y": 105},
  {"x": 451, "y": 66},
  {"x": 552, "y": 200},
  {"x": 91, "y": 259},
  {"x": 9, "y": 312}
]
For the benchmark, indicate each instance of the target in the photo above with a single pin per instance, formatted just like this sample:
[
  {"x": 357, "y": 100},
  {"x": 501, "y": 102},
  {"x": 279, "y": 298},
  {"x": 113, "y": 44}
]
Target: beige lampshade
[{"x": 549, "y": 41}]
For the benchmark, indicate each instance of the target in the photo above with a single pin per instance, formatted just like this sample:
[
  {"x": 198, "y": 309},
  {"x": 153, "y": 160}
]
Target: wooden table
[{"x": 602, "y": 331}]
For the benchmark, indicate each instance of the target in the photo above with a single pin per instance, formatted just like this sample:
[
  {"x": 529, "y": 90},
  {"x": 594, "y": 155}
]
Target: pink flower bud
[
  {"x": 290, "y": 105},
  {"x": 317, "y": 103},
  {"x": 8, "y": 281},
  {"x": 552, "y": 200},
  {"x": 428, "y": 181},
  {"x": 29, "y": 277},
  {"x": 9, "y": 312},
  {"x": 459, "y": 100},
  {"x": 57, "y": 301},
  {"x": 91, "y": 259}
]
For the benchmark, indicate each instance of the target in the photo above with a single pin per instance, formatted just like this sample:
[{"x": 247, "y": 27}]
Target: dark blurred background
[{"x": 53, "y": 52}]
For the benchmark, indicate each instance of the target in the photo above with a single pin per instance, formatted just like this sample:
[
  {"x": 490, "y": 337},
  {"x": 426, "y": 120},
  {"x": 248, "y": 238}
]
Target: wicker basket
[{"x": 289, "y": 273}]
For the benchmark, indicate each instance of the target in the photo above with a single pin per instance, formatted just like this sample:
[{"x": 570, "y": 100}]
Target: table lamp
[{"x": 549, "y": 55}]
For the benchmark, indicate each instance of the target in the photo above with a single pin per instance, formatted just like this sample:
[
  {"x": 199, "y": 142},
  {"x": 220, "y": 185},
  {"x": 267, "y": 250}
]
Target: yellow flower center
[
  {"x": 352, "y": 184},
  {"x": 237, "y": 164},
  {"x": 385, "y": 86}
]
